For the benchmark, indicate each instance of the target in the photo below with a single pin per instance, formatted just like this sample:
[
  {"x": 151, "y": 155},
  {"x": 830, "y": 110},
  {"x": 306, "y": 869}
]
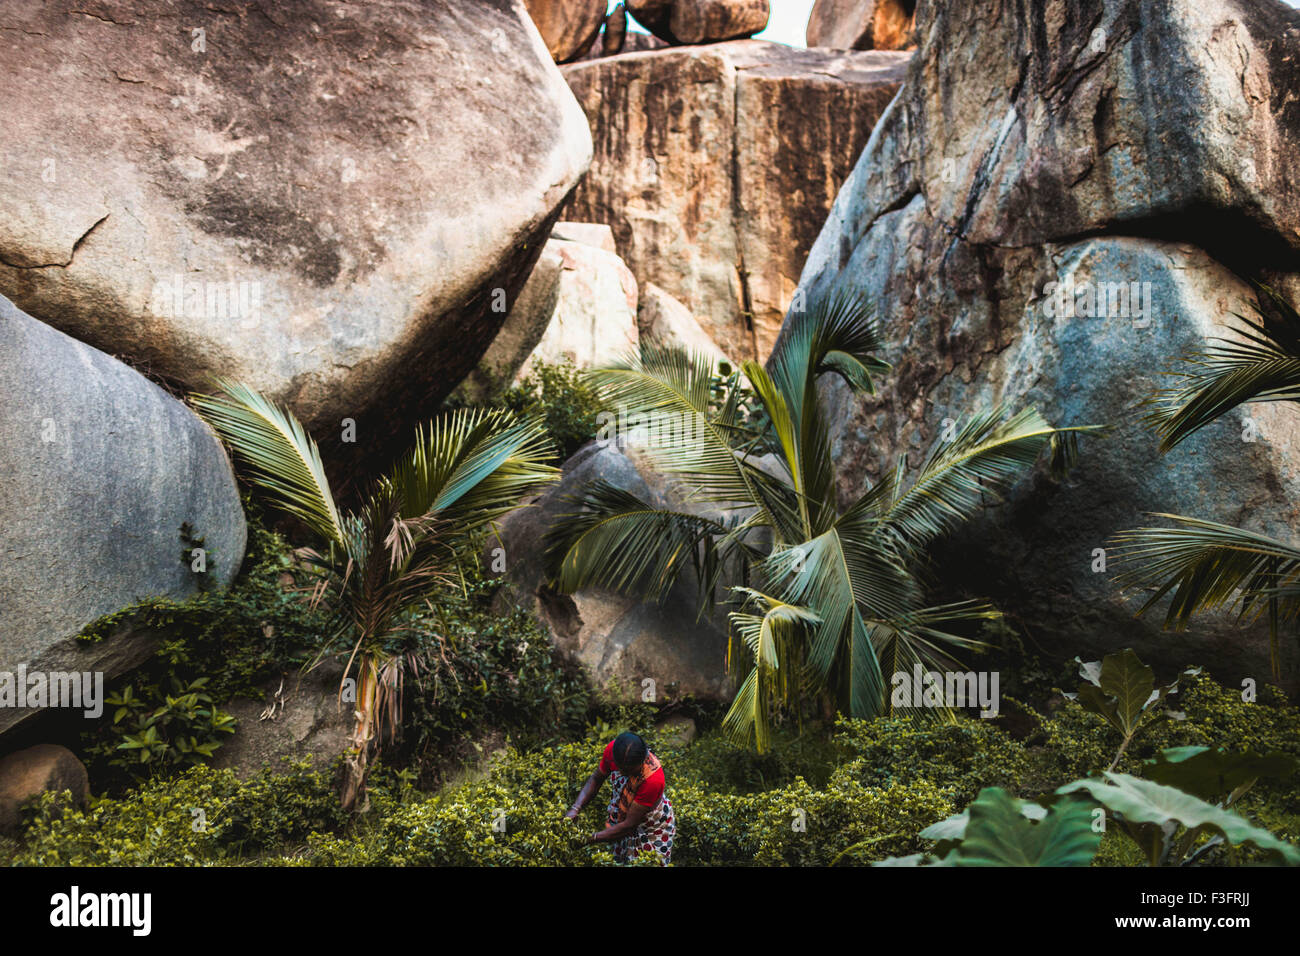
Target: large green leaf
[
  {"x": 1211, "y": 773},
  {"x": 1144, "y": 801},
  {"x": 1121, "y": 689},
  {"x": 998, "y": 833}
]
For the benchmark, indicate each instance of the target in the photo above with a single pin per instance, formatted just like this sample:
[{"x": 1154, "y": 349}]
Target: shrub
[
  {"x": 155, "y": 731},
  {"x": 198, "y": 817},
  {"x": 558, "y": 396},
  {"x": 964, "y": 756}
]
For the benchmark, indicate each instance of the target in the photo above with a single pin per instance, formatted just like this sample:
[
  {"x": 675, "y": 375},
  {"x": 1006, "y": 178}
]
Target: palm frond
[
  {"x": 1206, "y": 566},
  {"x": 1263, "y": 367},
  {"x": 773, "y": 644},
  {"x": 282, "y": 458},
  {"x": 471, "y": 466},
  {"x": 615, "y": 540},
  {"x": 987, "y": 455},
  {"x": 667, "y": 387}
]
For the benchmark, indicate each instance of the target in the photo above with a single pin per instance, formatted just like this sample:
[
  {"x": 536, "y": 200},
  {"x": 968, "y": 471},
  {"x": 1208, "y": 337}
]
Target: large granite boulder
[
  {"x": 579, "y": 307},
  {"x": 661, "y": 318},
  {"x": 100, "y": 469},
  {"x": 716, "y": 166},
  {"x": 568, "y": 27},
  {"x": 299, "y": 716},
  {"x": 862, "y": 24},
  {"x": 1061, "y": 202},
  {"x": 331, "y": 202},
  {"x": 633, "y": 646}
]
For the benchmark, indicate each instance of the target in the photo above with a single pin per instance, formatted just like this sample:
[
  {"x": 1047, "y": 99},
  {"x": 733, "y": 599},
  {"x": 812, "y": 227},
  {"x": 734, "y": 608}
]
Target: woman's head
[{"x": 629, "y": 752}]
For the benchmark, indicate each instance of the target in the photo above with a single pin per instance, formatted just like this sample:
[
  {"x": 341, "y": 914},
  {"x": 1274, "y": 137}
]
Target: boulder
[
  {"x": 716, "y": 167},
  {"x": 579, "y": 307},
  {"x": 595, "y": 317},
  {"x": 700, "y": 21},
  {"x": 662, "y": 648},
  {"x": 1056, "y": 208},
  {"x": 27, "y": 774},
  {"x": 614, "y": 37},
  {"x": 588, "y": 233},
  {"x": 662, "y": 318},
  {"x": 568, "y": 27},
  {"x": 100, "y": 469},
  {"x": 328, "y": 202},
  {"x": 862, "y": 24},
  {"x": 298, "y": 717}
]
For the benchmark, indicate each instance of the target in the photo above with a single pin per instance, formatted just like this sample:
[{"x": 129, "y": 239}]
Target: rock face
[
  {"x": 862, "y": 24},
  {"x": 29, "y": 773},
  {"x": 579, "y": 307},
  {"x": 1060, "y": 203},
  {"x": 568, "y": 27},
  {"x": 100, "y": 468},
  {"x": 715, "y": 166},
  {"x": 661, "y": 318},
  {"x": 618, "y": 639},
  {"x": 701, "y": 21},
  {"x": 301, "y": 717},
  {"x": 319, "y": 199}
]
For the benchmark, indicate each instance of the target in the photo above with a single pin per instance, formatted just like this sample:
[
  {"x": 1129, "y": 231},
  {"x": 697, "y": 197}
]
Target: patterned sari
[{"x": 656, "y": 832}]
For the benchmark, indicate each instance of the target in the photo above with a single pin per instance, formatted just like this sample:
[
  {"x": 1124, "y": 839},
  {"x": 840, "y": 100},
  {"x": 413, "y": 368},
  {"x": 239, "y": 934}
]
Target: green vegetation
[
  {"x": 831, "y": 599},
  {"x": 413, "y": 531},
  {"x": 887, "y": 790},
  {"x": 557, "y": 396},
  {"x": 1204, "y": 565}
]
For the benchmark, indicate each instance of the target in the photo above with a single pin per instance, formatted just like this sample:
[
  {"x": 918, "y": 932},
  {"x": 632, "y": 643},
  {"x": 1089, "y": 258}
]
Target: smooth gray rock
[{"x": 100, "y": 468}]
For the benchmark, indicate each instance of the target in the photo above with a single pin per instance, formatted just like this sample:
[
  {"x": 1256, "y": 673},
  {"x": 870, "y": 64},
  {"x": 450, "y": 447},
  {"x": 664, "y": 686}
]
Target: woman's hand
[{"x": 572, "y": 813}]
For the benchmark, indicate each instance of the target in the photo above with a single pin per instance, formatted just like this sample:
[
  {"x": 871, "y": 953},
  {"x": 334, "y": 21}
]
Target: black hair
[{"x": 629, "y": 751}]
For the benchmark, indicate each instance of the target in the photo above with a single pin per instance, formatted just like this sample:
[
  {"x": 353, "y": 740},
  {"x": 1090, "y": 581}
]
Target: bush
[
  {"x": 557, "y": 395},
  {"x": 198, "y": 817},
  {"x": 964, "y": 756}
]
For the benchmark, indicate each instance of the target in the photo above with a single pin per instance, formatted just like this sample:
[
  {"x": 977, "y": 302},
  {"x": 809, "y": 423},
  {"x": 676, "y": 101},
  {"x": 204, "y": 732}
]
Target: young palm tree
[
  {"x": 834, "y": 593},
  {"x": 380, "y": 562},
  {"x": 1206, "y": 565}
]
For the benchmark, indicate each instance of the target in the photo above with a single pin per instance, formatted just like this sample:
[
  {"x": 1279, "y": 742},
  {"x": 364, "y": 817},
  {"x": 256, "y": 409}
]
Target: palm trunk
[{"x": 357, "y": 759}]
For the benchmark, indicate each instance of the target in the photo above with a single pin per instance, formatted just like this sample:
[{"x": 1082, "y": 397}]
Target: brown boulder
[
  {"x": 701, "y": 21},
  {"x": 28, "y": 773},
  {"x": 568, "y": 27},
  {"x": 716, "y": 166},
  {"x": 300, "y": 718},
  {"x": 862, "y": 24}
]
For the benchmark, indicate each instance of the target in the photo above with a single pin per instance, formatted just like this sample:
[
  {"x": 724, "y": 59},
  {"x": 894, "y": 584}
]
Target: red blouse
[{"x": 652, "y": 788}]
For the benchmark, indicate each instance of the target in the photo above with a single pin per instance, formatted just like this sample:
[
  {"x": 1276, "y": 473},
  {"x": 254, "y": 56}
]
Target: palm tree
[
  {"x": 827, "y": 595},
  {"x": 417, "y": 523},
  {"x": 1203, "y": 564}
]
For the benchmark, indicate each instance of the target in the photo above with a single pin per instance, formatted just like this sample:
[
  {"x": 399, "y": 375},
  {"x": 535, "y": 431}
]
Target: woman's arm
[
  {"x": 635, "y": 815},
  {"x": 586, "y": 793}
]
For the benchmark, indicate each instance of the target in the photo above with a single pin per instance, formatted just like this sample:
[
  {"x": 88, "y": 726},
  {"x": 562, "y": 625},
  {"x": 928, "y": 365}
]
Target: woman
[{"x": 640, "y": 817}]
